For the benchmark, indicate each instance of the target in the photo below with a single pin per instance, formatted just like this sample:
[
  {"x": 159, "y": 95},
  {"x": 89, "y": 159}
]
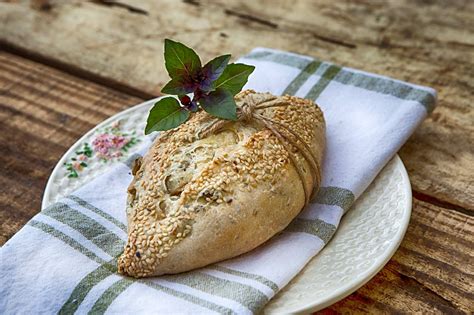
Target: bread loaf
[{"x": 203, "y": 194}]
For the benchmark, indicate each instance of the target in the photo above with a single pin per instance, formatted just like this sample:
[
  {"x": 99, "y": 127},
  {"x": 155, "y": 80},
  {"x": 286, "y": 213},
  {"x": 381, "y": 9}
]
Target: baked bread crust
[{"x": 197, "y": 200}]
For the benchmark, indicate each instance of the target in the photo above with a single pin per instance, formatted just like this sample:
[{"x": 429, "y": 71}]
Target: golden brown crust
[{"x": 197, "y": 201}]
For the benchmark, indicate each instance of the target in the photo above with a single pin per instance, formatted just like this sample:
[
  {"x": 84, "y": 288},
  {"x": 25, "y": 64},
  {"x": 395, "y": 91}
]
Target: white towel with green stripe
[{"x": 64, "y": 259}]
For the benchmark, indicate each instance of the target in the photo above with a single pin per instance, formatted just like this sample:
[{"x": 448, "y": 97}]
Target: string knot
[{"x": 246, "y": 111}]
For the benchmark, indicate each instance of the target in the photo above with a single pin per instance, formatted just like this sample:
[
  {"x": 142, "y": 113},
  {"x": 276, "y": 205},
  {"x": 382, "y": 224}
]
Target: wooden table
[{"x": 67, "y": 65}]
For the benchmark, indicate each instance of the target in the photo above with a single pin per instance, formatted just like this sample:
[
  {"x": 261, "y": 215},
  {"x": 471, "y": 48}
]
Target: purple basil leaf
[
  {"x": 178, "y": 86},
  {"x": 220, "y": 103},
  {"x": 212, "y": 71},
  {"x": 180, "y": 60}
]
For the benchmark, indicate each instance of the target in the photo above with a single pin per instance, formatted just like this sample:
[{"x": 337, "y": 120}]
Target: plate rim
[{"x": 338, "y": 294}]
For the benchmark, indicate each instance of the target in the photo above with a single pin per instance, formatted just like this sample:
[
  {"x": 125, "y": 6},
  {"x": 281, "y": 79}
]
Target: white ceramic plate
[{"x": 368, "y": 235}]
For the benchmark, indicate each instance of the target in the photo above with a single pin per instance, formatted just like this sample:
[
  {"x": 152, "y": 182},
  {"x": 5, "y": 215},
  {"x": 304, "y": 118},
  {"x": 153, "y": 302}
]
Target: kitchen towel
[{"x": 64, "y": 259}]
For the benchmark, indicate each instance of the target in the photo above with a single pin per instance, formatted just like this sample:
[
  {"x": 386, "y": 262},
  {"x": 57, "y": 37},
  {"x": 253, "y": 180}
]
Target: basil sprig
[{"x": 212, "y": 87}]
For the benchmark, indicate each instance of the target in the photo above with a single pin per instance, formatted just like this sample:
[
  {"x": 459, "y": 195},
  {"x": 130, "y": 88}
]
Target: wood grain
[
  {"x": 43, "y": 112},
  {"x": 425, "y": 42},
  {"x": 46, "y": 110}
]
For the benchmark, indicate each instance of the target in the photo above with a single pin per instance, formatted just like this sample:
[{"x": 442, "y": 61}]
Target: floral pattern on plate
[{"x": 108, "y": 144}]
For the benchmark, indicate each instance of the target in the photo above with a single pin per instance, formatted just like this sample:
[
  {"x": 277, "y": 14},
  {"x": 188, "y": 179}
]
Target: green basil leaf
[
  {"x": 220, "y": 103},
  {"x": 180, "y": 60},
  {"x": 165, "y": 114},
  {"x": 234, "y": 77},
  {"x": 177, "y": 86}
]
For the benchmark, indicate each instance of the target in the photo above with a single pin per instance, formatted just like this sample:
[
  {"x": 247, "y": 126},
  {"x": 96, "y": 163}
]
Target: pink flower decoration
[
  {"x": 119, "y": 141},
  {"x": 108, "y": 146},
  {"x": 82, "y": 157},
  {"x": 77, "y": 166}
]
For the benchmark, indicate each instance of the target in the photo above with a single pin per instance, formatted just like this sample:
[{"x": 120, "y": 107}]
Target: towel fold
[{"x": 64, "y": 259}]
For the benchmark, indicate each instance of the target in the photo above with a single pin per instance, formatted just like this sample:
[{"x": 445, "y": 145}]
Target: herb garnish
[{"x": 213, "y": 87}]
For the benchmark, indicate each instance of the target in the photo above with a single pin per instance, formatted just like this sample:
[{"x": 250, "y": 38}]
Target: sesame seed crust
[{"x": 197, "y": 200}]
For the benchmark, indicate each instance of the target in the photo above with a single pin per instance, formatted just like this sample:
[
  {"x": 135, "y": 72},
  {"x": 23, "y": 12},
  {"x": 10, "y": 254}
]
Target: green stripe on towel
[
  {"x": 106, "y": 299},
  {"x": 105, "y": 239},
  {"x": 103, "y": 214},
  {"x": 246, "y": 295},
  {"x": 66, "y": 239},
  {"x": 387, "y": 87},
  {"x": 272, "y": 285},
  {"x": 86, "y": 284},
  {"x": 301, "y": 78},
  {"x": 323, "y": 82},
  {"x": 109, "y": 296},
  {"x": 316, "y": 227},
  {"x": 335, "y": 196},
  {"x": 188, "y": 297}
]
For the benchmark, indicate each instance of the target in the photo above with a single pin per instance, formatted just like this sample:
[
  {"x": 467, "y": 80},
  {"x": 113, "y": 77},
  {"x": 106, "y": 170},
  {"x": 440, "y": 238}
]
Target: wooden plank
[
  {"x": 45, "y": 110},
  {"x": 427, "y": 43}
]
